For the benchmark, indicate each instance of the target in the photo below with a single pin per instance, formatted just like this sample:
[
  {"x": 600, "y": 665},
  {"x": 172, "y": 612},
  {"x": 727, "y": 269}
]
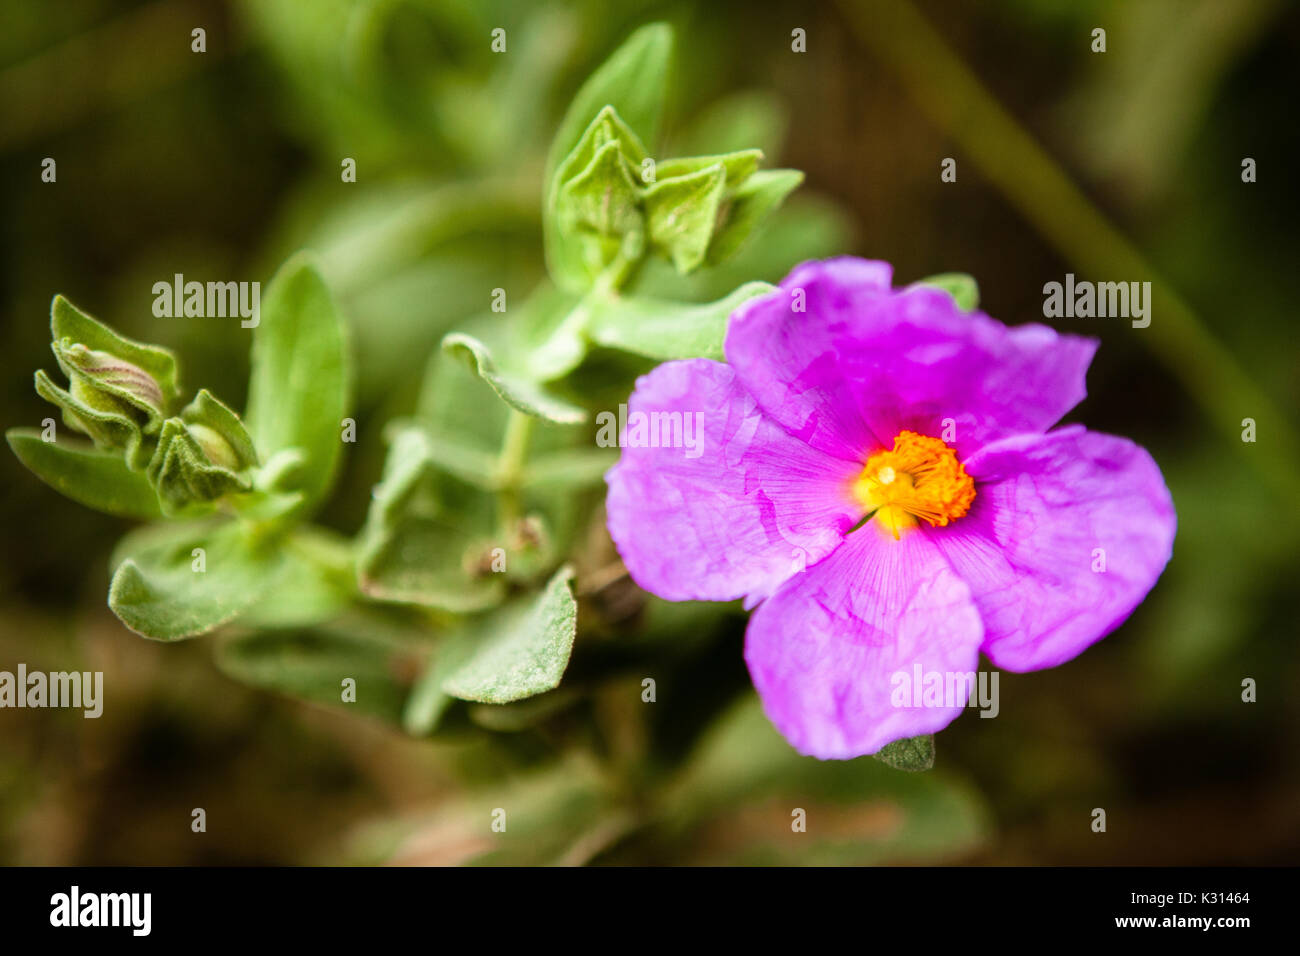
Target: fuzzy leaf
[
  {"x": 420, "y": 534},
  {"x": 94, "y": 478},
  {"x": 632, "y": 81},
  {"x": 911, "y": 753},
  {"x": 312, "y": 665},
  {"x": 681, "y": 214},
  {"x": 158, "y": 593},
  {"x": 314, "y": 583},
  {"x": 739, "y": 166},
  {"x": 751, "y": 203},
  {"x": 297, "y": 392},
  {"x": 515, "y": 391},
  {"x": 111, "y": 424},
  {"x": 518, "y": 651},
  {"x": 596, "y": 210}
]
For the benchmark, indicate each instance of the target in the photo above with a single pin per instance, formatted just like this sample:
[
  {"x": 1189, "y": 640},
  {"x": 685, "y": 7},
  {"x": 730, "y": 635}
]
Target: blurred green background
[{"x": 216, "y": 165}]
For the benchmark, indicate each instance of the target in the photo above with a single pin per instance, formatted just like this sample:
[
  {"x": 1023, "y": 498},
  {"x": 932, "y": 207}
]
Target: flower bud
[{"x": 119, "y": 391}]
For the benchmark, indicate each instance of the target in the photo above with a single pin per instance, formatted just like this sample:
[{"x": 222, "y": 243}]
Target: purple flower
[{"x": 877, "y": 477}]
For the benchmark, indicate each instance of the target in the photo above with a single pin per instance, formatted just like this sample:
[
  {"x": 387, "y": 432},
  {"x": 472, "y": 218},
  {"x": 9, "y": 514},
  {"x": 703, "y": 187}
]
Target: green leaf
[
  {"x": 297, "y": 392},
  {"x": 962, "y": 287},
  {"x": 96, "y": 479},
  {"x": 422, "y": 532},
  {"x": 739, "y": 166},
  {"x": 158, "y": 591},
  {"x": 312, "y": 665},
  {"x": 681, "y": 214},
  {"x": 67, "y": 322},
  {"x": 515, "y": 391},
  {"x": 110, "y": 423},
  {"x": 911, "y": 753},
  {"x": 606, "y": 130},
  {"x": 668, "y": 330},
  {"x": 751, "y": 203},
  {"x": 596, "y": 210},
  {"x": 513, "y": 653},
  {"x": 518, "y": 651},
  {"x": 315, "y": 582},
  {"x": 632, "y": 81},
  {"x": 748, "y": 118}
]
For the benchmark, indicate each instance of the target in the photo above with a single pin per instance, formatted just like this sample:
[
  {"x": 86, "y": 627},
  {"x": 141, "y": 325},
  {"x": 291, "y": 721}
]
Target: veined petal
[
  {"x": 1068, "y": 533},
  {"x": 863, "y": 362},
  {"x": 737, "y": 514},
  {"x": 826, "y": 651}
]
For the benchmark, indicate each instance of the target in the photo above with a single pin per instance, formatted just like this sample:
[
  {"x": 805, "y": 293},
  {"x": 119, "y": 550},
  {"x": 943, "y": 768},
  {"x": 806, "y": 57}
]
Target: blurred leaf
[
  {"x": 595, "y": 210},
  {"x": 158, "y": 591},
  {"x": 518, "y": 651},
  {"x": 311, "y": 665},
  {"x": 315, "y": 582},
  {"x": 420, "y": 535},
  {"x": 738, "y": 165},
  {"x": 593, "y": 203},
  {"x": 681, "y": 214},
  {"x": 911, "y": 753},
  {"x": 563, "y": 815},
  {"x": 632, "y": 81},
  {"x": 739, "y": 121},
  {"x": 574, "y": 467},
  {"x": 520, "y": 715},
  {"x": 963, "y": 288},
  {"x": 96, "y": 479},
  {"x": 735, "y": 801},
  {"x": 297, "y": 392},
  {"x": 518, "y": 393},
  {"x": 752, "y": 203},
  {"x": 668, "y": 330}
]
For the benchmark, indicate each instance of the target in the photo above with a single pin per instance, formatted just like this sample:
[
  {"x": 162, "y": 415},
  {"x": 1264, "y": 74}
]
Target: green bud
[
  {"x": 119, "y": 391},
  {"x": 202, "y": 456}
]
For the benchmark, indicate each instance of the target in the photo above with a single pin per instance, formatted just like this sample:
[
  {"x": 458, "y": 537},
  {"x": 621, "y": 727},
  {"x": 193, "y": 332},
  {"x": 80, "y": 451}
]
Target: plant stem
[{"x": 510, "y": 464}]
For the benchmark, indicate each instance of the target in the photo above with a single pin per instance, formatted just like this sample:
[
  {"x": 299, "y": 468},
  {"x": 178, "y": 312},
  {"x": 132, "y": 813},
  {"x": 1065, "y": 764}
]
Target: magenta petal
[
  {"x": 862, "y": 362},
  {"x": 824, "y": 651},
  {"x": 1049, "y": 513},
  {"x": 752, "y": 507}
]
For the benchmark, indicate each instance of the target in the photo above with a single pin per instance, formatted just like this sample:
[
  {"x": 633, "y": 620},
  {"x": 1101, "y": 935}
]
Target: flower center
[{"x": 920, "y": 477}]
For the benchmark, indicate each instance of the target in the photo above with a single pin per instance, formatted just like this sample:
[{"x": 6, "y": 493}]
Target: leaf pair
[{"x": 608, "y": 202}]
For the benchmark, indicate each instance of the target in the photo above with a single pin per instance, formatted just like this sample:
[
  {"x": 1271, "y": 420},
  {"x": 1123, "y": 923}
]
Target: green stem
[{"x": 510, "y": 465}]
